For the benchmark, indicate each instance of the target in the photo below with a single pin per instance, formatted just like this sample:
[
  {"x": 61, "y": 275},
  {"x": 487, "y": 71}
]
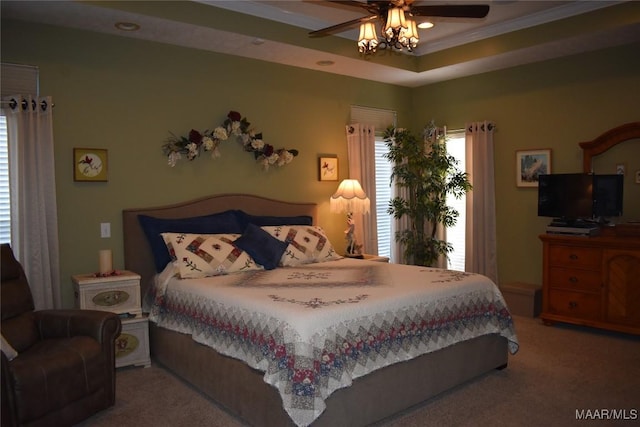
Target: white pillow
[
  {"x": 7, "y": 349},
  {"x": 307, "y": 244},
  {"x": 202, "y": 255}
]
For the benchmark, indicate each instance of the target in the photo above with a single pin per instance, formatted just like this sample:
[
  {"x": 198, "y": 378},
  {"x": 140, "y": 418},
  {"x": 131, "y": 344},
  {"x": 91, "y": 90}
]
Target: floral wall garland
[{"x": 234, "y": 125}]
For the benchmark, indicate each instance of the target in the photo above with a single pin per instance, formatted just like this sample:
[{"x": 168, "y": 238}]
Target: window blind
[
  {"x": 19, "y": 80},
  {"x": 5, "y": 200},
  {"x": 383, "y": 196},
  {"x": 377, "y": 117}
]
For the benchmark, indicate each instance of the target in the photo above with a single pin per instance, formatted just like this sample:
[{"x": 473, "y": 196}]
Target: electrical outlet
[{"x": 105, "y": 229}]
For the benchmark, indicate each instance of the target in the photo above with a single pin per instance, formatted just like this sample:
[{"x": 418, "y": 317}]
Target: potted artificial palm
[{"x": 423, "y": 167}]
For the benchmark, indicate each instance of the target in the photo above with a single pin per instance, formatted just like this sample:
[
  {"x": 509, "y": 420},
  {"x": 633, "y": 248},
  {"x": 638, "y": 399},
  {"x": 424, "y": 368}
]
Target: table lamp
[{"x": 350, "y": 198}]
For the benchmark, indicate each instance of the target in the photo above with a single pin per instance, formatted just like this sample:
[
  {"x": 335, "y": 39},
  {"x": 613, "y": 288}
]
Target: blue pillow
[
  {"x": 262, "y": 220},
  {"x": 219, "y": 223},
  {"x": 265, "y": 249}
]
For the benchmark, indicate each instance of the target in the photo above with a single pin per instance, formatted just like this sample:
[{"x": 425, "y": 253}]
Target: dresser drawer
[
  {"x": 132, "y": 345},
  {"x": 118, "y": 294},
  {"x": 575, "y": 279},
  {"x": 571, "y": 256},
  {"x": 575, "y": 304}
]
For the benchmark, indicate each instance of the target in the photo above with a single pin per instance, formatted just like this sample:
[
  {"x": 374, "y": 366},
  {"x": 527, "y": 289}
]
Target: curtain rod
[{"x": 13, "y": 104}]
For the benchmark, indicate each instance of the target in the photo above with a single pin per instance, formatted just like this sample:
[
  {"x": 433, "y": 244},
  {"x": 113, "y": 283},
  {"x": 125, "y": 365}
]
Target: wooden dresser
[{"x": 592, "y": 281}]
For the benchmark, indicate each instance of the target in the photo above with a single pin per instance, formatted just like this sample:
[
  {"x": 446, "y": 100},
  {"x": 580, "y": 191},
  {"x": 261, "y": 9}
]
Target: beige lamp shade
[{"x": 350, "y": 197}]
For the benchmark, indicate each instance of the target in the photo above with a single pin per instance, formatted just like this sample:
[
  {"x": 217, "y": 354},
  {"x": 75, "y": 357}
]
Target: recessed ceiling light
[
  {"x": 425, "y": 25},
  {"x": 325, "y": 63},
  {"x": 127, "y": 26}
]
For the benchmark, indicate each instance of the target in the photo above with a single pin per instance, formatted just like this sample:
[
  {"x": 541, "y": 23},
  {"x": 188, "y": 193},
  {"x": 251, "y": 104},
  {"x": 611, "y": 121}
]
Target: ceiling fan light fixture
[
  {"x": 409, "y": 36},
  {"x": 395, "y": 22},
  {"x": 368, "y": 39},
  {"x": 399, "y": 29}
]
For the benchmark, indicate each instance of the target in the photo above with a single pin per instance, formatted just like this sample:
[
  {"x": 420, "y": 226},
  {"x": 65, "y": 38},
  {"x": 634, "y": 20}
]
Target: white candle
[{"x": 106, "y": 261}]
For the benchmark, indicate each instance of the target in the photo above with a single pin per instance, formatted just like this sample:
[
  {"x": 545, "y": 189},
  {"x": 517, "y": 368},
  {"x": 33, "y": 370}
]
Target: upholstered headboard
[{"x": 137, "y": 252}]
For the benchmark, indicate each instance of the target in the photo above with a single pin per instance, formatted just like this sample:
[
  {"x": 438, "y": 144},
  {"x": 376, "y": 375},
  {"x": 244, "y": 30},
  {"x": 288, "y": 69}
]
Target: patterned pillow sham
[
  {"x": 307, "y": 244},
  {"x": 222, "y": 222},
  {"x": 203, "y": 255}
]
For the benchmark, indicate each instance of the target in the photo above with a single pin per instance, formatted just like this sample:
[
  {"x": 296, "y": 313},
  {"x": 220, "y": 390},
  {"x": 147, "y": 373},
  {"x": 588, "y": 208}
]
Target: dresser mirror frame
[{"x": 609, "y": 139}]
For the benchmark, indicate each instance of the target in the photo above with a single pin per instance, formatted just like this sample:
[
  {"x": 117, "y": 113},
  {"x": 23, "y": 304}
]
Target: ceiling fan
[{"x": 398, "y": 27}]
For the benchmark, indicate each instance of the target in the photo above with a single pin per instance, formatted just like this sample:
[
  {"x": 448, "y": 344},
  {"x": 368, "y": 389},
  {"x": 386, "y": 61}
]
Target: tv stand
[{"x": 592, "y": 282}]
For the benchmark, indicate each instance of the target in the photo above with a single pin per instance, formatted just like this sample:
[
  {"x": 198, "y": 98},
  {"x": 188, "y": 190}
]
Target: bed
[{"x": 356, "y": 375}]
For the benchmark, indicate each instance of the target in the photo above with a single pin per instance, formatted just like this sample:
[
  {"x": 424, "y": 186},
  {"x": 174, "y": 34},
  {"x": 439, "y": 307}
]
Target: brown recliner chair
[{"x": 64, "y": 370}]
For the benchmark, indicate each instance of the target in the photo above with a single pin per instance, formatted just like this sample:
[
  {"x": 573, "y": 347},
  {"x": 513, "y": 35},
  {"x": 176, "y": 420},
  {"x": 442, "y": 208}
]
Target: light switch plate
[{"x": 105, "y": 229}]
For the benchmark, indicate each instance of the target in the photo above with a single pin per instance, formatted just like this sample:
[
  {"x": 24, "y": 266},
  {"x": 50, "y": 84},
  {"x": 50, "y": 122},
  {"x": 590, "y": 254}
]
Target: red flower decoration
[
  {"x": 234, "y": 116},
  {"x": 195, "y": 137}
]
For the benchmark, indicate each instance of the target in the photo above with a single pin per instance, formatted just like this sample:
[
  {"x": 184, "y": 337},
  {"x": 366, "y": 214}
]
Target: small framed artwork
[
  {"x": 530, "y": 164},
  {"x": 328, "y": 168},
  {"x": 90, "y": 164}
]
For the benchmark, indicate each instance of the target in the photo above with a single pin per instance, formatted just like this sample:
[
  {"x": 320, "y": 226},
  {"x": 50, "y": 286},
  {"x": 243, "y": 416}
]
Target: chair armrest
[{"x": 101, "y": 325}]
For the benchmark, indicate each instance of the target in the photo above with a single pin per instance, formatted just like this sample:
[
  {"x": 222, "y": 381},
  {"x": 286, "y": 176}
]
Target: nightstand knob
[
  {"x": 573, "y": 304},
  {"x": 573, "y": 257},
  {"x": 573, "y": 279}
]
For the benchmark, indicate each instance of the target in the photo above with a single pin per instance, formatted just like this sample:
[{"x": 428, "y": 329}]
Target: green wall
[{"x": 126, "y": 95}]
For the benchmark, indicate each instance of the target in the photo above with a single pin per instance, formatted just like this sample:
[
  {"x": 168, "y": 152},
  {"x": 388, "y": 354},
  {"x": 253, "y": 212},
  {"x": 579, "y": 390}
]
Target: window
[
  {"x": 456, "y": 234},
  {"x": 5, "y": 201},
  {"x": 380, "y": 119},
  {"x": 16, "y": 79}
]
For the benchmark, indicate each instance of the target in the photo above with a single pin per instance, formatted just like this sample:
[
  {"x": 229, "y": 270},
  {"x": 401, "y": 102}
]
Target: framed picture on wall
[
  {"x": 328, "y": 168},
  {"x": 530, "y": 164},
  {"x": 90, "y": 164}
]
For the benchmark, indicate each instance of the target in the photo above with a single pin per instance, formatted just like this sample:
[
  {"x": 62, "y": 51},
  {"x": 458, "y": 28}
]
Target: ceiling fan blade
[
  {"x": 452, "y": 10},
  {"x": 341, "y": 27}
]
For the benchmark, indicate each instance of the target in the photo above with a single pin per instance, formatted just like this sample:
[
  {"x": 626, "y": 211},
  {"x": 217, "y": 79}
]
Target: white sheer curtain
[
  {"x": 361, "y": 151},
  {"x": 34, "y": 220},
  {"x": 480, "y": 255},
  {"x": 399, "y": 224}
]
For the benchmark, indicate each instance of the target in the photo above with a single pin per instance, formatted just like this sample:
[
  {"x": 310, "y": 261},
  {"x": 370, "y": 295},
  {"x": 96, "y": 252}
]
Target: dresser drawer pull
[
  {"x": 573, "y": 304},
  {"x": 573, "y": 279},
  {"x": 573, "y": 257}
]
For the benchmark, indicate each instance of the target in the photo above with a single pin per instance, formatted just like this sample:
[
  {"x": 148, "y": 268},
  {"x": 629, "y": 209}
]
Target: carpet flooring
[{"x": 559, "y": 373}]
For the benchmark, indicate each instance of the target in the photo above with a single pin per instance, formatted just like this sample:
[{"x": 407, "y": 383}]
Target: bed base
[{"x": 385, "y": 392}]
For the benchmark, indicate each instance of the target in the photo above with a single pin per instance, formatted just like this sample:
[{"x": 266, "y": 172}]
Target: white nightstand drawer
[
  {"x": 132, "y": 345},
  {"x": 118, "y": 294}
]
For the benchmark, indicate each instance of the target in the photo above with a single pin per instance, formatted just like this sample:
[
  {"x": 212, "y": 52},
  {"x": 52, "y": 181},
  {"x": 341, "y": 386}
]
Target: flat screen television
[
  {"x": 567, "y": 196},
  {"x": 575, "y": 196}
]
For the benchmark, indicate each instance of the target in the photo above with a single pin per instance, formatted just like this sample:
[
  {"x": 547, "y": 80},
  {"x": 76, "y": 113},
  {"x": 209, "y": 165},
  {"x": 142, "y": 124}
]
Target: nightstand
[
  {"x": 376, "y": 258},
  {"x": 118, "y": 293}
]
